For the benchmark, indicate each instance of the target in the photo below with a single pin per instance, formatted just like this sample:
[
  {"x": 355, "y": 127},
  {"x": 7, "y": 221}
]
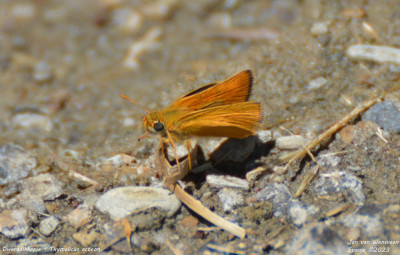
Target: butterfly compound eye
[{"x": 158, "y": 126}]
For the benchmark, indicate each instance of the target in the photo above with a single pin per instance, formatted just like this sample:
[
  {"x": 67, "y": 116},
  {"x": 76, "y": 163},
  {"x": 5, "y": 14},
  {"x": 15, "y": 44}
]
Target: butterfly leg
[
  {"x": 128, "y": 232},
  {"x": 176, "y": 153},
  {"x": 189, "y": 150}
]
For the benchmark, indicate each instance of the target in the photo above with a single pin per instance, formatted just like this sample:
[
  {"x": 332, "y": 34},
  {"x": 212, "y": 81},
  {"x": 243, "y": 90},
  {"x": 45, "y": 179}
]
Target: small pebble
[
  {"x": 386, "y": 115},
  {"x": 354, "y": 13},
  {"x": 127, "y": 20},
  {"x": 85, "y": 238},
  {"x": 23, "y": 60},
  {"x": 220, "y": 20},
  {"x": 369, "y": 225},
  {"x": 290, "y": 142},
  {"x": 221, "y": 181},
  {"x": 346, "y": 134},
  {"x": 44, "y": 186},
  {"x": 19, "y": 43},
  {"x": 353, "y": 233},
  {"x": 160, "y": 9},
  {"x": 340, "y": 185},
  {"x": 14, "y": 223},
  {"x": 37, "y": 189},
  {"x": 79, "y": 216},
  {"x": 32, "y": 120},
  {"x": 264, "y": 135},
  {"x": 190, "y": 222},
  {"x": 128, "y": 122},
  {"x": 299, "y": 213},
  {"x": 23, "y": 11},
  {"x": 120, "y": 160},
  {"x": 380, "y": 54},
  {"x": 328, "y": 161},
  {"x": 317, "y": 83},
  {"x": 230, "y": 199},
  {"x": 48, "y": 225},
  {"x": 278, "y": 194},
  {"x": 15, "y": 165},
  {"x": 315, "y": 238},
  {"x": 124, "y": 201},
  {"x": 42, "y": 72},
  {"x": 320, "y": 28}
]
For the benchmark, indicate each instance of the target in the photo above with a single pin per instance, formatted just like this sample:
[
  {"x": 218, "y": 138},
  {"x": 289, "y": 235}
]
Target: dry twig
[
  {"x": 310, "y": 176},
  {"x": 195, "y": 205},
  {"x": 224, "y": 250},
  {"x": 203, "y": 211},
  {"x": 83, "y": 178},
  {"x": 333, "y": 129}
]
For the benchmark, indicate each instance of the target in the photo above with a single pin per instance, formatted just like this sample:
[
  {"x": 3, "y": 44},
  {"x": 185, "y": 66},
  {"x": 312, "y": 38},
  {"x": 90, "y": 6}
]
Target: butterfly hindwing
[{"x": 234, "y": 120}]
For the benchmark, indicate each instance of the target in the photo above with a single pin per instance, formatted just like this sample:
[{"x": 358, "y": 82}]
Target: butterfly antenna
[
  {"x": 136, "y": 103},
  {"x": 143, "y": 136}
]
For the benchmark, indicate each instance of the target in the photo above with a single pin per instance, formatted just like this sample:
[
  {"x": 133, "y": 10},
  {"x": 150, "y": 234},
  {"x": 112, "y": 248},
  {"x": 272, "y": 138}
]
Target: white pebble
[
  {"x": 230, "y": 199},
  {"x": 227, "y": 181},
  {"x": 42, "y": 72},
  {"x": 264, "y": 135},
  {"x": 48, "y": 225},
  {"x": 23, "y": 12},
  {"x": 320, "y": 28},
  {"x": 14, "y": 223},
  {"x": 317, "y": 83},
  {"x": 124, "y": 201},
  {"x": 290, "y": 142},
  {"x": 32, "y": 120},
  {"x": 129, "y": 122},
  {"x": 381, "y": 54}
]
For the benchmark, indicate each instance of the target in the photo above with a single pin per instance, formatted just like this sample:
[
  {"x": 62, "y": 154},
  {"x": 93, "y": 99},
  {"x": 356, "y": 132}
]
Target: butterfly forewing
[{"x": 233, "y": 90}]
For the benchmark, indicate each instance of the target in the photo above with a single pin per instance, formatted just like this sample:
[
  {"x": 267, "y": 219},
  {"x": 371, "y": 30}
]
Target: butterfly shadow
[{"x": 234, "y": 157}]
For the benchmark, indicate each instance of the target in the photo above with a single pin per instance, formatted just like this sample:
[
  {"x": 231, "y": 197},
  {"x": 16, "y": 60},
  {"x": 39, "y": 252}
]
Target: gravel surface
[{"x": 68, "y": 140}]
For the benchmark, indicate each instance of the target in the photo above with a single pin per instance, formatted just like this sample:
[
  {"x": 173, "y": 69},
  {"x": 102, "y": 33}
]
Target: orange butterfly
[{"x": 213, "y": 110}]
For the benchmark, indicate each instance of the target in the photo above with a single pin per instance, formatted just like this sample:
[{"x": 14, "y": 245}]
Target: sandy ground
[{"x": 64, "y": 63}]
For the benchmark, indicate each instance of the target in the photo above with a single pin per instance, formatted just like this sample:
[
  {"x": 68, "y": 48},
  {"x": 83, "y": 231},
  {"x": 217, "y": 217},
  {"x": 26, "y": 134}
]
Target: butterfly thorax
[{"x": 162, "y": 122}]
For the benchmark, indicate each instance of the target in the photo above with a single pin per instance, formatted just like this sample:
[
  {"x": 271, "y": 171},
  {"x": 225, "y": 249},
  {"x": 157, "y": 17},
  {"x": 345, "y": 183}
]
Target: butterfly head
[{"x": 153, "y": 124}]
